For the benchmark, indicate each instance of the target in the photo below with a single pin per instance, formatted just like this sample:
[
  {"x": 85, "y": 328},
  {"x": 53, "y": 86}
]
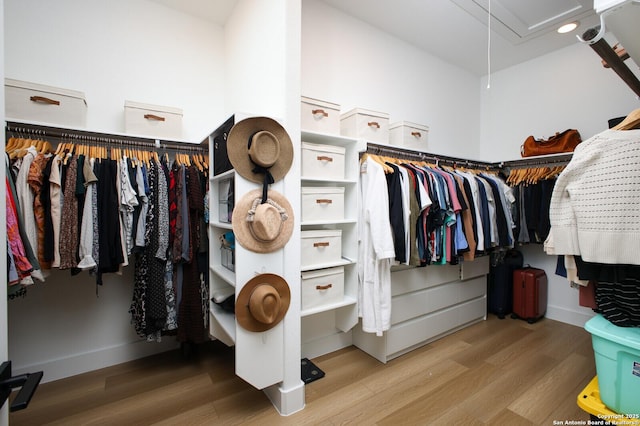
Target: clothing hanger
[
  {"x": 631, "y": 121},
  {"x": 380, "y": 160}
]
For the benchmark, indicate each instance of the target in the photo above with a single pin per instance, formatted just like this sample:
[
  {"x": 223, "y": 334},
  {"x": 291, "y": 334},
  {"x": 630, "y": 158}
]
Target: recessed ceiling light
[{"x": 566, "y": 28}]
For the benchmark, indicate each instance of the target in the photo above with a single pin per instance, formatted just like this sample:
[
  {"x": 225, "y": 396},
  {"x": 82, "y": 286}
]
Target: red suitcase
[{"x": 529, "y": 294}]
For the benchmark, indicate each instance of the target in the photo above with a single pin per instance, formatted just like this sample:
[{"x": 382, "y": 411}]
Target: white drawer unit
[
  {"x": 320, "y": 116},
  {"x": 322, "y": 161},
  {"x": 370, "y": 125},
  {"x": 152, "y": 120},
  {"x": 320, "y": 247},
  {"x": 409, "y": 135},
  {"x": 428, "y": 303},
  {"x": 322, "y": 287},
  {"x": 44, "y": 104},
  {"x": 322, "y": 204}
]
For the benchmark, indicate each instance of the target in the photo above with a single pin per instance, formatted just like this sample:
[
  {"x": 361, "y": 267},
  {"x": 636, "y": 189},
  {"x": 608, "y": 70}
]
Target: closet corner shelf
[
  {"x": 317, "y": 137},
  {"x": 323, "y": 180},
  {"x": 223, "y": 175},
  {"x": 227, "y": 275},
  {"x": 327, "y": 222},
  {"x": 346, "y": 301},
  {"x": 225, "y": 322},
  {"x": 223, "y": 225},
  {"x": 342, "y": 262}
]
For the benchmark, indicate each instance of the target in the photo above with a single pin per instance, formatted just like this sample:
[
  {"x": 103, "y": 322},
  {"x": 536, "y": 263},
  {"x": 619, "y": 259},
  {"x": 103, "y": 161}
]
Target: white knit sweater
[{"x": 595, "y": 206}]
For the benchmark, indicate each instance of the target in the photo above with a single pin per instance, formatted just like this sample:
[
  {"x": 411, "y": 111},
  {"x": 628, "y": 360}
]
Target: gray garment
[
  {"x": 523, "y": 236},
  {"x": 144, "y": 202}
]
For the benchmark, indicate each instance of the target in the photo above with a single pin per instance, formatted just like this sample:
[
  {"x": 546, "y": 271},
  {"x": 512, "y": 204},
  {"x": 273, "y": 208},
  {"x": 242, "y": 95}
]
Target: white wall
[
  {"x": 565, "y": 89},
  {"x": 353, "y": 64},
  {"x": 121, "y": 49}
]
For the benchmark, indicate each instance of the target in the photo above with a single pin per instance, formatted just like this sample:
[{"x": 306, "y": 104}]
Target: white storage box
[
  {"x": 322, "y": 161},
  {"x": 409, "y": 135},
  {"x": 36, "y": 102},
  {"x": 322, "y": 203},
  {"x": 369, "y": 125},
  {"x": 320, "y": 116},
  {"x": 152, "y": 120},
  {"x": 322, "y": 287},
  {"x": 320, "y": 247}
]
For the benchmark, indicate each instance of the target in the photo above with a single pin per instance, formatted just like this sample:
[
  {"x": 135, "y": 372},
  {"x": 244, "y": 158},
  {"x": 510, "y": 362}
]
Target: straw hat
[
  {"x": 262, "y": 227},
  {"x": 262, "y": 302},
  {"x": 257, "y": 144}
]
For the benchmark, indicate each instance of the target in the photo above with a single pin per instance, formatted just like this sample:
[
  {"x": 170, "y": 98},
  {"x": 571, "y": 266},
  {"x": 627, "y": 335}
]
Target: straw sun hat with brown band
[
  {"x": 262, "y": 302},
  {"x": 260, "y": 149},
  {"x": 262, "y": 227}
]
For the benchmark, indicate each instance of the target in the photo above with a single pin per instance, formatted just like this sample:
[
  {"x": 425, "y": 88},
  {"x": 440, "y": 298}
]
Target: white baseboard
[
  {"x": 577, "y": 318},
  {"x": 286, "y": 401},
  {"x": 100, "y": 358}
]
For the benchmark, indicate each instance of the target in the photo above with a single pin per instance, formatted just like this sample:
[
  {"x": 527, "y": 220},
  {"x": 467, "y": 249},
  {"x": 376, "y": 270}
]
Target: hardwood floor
[{"x": 497, "y": 372}]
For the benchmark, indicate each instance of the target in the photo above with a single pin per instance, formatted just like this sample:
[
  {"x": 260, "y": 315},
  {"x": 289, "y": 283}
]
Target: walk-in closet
[{"x": 294, "y": 211}]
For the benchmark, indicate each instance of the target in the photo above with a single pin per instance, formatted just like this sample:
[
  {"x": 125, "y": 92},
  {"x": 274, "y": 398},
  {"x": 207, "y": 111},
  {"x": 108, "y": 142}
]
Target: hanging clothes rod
[
  {"x": 539, "y": 161},
  {"x": 87, "y": 137},
  {"x": 594, "y": 37},
  {"x": 406, "y": 154}
]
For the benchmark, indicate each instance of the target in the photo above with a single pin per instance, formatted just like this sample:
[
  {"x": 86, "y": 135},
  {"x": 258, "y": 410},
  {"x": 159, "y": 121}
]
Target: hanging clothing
[
  {"x": 594, "y": 201},
  {"x": 190, "y": 318},
  {"x": 88, "y": 214},
  {"x": 85, "y": 248},
  {"x": 155, "y": 302},
  {"x": 69, "y": 218},
  {"x": 110, "y": 256},
  {"x": 375, "y": 251},
  {"x": 20, "y": 260},
  {"x": 128, "y": 203},
  {"x": 396, "y": 214},
  {"x": 55, "y": 191}
]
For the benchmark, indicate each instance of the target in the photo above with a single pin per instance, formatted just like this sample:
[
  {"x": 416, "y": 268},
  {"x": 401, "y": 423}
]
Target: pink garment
[{"x": 23, "y": 265}]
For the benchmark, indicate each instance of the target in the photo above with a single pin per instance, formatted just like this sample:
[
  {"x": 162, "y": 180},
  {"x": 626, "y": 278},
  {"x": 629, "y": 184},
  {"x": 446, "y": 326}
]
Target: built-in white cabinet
[
  {"x": 229, "y": 270},
  {"x": 222, "y": 279},
  {"x": 329, "y": 289},
  {"x": 428, "y": 303}
]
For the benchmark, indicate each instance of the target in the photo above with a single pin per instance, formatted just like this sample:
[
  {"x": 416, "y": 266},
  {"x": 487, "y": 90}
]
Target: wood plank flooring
[{"x": 497, "y": 372}]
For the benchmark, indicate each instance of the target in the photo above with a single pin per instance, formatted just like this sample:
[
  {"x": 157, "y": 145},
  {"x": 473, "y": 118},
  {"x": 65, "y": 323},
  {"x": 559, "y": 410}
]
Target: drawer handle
[
  {"x": 324, "y": 158},
  {"x": 324, "y": 287},
  {"x": 321, "y": 244},
  {"x": 44, "y": 100},
  {"x": 320, "y": 112},
  {"x": 373, "y": 124},
  {"x": 416, "y": 134},
  {"x": 154, "y": 117},
  {"x": 324, "y": 201}
]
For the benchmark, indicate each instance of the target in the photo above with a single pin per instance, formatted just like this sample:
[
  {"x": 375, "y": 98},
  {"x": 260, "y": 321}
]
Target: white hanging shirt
[{"x": 376, "y": 250}]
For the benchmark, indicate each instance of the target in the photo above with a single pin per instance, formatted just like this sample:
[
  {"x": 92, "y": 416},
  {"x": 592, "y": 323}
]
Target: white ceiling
[{"x": 453, "y": 30}]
